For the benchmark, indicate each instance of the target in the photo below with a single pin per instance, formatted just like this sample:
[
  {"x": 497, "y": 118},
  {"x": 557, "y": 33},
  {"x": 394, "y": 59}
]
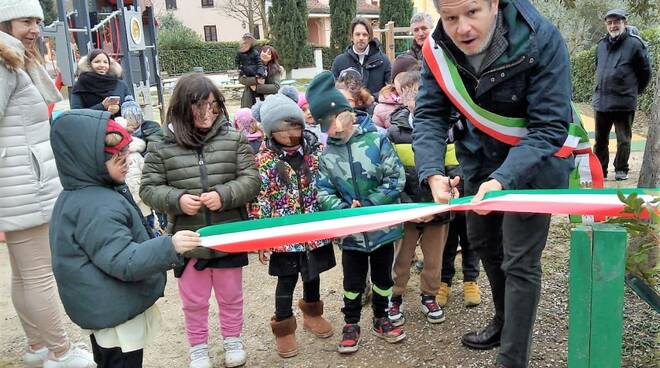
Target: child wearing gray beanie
[
  {"x": 288, "y": 166},
  {"x": 277, "y": 109}
]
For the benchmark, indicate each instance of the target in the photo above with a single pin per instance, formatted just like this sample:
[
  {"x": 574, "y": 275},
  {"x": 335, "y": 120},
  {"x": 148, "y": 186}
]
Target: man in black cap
[{"x": 623, "y": 71}]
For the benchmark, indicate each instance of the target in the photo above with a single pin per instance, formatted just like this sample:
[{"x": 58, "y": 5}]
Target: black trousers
[
  {"x": 355, "y": 265},
  {"x": 114, "y": 357},
  {"x": 510, "y": 247},
  {"x": 470, "y": 258},
  {"x": 284, "y": 294},
  {"x": 622, "y": 121}
]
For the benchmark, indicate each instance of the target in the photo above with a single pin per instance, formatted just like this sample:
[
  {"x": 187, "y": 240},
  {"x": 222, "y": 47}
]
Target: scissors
[{"x": 451, "y": 189}]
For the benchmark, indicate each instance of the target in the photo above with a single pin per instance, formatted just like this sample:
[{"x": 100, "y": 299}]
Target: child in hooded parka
[{"x": 109, "y": 270}]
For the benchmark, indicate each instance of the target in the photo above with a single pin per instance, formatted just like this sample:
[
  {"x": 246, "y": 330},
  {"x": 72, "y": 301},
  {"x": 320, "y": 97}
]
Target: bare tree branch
[{"x": 248, "y": 11}]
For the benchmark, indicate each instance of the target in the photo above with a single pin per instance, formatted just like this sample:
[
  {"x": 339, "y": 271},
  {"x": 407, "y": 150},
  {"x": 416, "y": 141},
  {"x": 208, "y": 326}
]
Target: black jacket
[
  {"x": 400, "y": 134},
  {"x": 249, "y": 63},
  {"x": 531, "y": 80},
  {"x": 107, "y": 268},
  {"x": 376, "y": 69},
  {"x": 623, "y": 71}
]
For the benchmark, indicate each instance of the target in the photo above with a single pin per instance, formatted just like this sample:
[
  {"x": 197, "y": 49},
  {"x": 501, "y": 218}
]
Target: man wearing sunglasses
[{"x": 622, "y": 72}]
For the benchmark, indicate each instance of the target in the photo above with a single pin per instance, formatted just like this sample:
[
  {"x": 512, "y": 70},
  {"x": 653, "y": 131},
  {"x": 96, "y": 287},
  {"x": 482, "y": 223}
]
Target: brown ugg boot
[
  {"x": 313, "y": 320},
  {"x": 285, "y": 336}
]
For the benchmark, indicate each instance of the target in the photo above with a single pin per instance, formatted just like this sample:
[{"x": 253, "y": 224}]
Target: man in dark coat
[
  {"x": 421, "y": 25},
  {"x": 364, "y": 55},
  {"x": 512, "y": 62},
  {"x": 623, "y": 71}
]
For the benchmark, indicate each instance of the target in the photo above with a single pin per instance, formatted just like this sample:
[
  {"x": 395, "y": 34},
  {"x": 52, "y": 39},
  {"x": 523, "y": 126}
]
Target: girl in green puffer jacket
[{"x": 203, "y": 173}]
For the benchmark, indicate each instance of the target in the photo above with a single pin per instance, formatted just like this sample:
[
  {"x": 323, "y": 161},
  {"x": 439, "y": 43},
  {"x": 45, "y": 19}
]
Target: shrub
[
  {"x": 583, "y": 69},
  {"x": 219, "y": 57}
]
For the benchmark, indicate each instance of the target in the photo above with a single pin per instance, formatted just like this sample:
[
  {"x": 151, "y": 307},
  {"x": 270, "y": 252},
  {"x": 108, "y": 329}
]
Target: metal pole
[
  {"x": 155, "y": 66},
  {"x": 126, "y": 54}
]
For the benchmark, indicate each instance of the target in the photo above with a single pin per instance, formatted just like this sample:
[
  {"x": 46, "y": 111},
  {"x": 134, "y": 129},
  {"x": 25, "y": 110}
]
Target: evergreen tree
[
  {"x": 400, "y": 12},
  {"x": 303, "y": 32},
  {"x": 50, "y": 13},
  {"x": 288, "y": 32},
  {"x": 342, "y": 13}
]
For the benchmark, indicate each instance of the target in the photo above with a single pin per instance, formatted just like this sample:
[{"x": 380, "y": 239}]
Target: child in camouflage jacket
[{"x": 359, "y": 167}]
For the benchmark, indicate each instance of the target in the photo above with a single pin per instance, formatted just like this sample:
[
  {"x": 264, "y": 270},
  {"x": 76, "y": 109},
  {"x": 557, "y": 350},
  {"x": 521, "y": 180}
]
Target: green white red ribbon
[{"x": 262, "y": 234}]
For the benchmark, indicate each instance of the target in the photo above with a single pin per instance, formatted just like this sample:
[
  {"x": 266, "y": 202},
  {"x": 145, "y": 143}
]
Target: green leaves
[
  {"x": 644, "y": 242},
  {"x": 342, "y": 13},
  {"x": 288, "y": 27}
]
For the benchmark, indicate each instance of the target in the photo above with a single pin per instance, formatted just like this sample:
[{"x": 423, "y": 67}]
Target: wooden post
[
  {"x": 597, "y": 267},
  {"x": 390, "y": 41}
]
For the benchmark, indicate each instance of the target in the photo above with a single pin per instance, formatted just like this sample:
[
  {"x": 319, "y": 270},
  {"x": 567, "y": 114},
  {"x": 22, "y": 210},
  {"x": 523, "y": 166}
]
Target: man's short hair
[
  {"x": 438, "y": 2},
  {"x": 422, "y": 17},
  {"x": 363, "y": 21}
]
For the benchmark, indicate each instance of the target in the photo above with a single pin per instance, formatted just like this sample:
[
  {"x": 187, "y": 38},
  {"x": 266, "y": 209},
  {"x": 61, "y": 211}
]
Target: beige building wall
[
  {"x": 426, "y": 6},
  {"x": 193, "y": 15}
]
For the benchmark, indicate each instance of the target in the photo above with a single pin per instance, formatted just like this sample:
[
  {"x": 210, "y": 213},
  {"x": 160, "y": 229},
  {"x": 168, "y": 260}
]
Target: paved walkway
[{"x": 637, "y": 144}]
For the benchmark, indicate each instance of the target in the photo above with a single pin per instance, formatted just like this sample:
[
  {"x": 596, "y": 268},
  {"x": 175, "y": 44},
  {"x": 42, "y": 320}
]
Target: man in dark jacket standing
[
  {"x": 623, "y": 71},
  {"x": 510, "y": 61},
  {"x": 364, "y": 55},
  {"x": 421, "y": 25}
]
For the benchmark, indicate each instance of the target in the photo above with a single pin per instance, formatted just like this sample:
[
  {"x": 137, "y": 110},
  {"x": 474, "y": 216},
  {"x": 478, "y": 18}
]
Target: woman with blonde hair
[{"x": 29, "y": 186}]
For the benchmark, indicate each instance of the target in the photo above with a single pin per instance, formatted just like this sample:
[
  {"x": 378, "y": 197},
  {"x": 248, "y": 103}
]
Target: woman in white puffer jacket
[{"x": 29, "y": 186}]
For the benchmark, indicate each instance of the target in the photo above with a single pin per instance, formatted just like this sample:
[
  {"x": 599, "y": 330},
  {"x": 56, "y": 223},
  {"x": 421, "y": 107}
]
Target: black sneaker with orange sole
[
  {"x": 350, "y": 341},
  {"x": 384, "y": 329}
]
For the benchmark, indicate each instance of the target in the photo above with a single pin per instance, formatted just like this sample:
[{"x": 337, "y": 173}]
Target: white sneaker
[
  {"x": 235, "y": 355},
  {"x": 36, "y": 358},
  {"x": 199, "y": 356},
  {"x": 76, "y": 357}
]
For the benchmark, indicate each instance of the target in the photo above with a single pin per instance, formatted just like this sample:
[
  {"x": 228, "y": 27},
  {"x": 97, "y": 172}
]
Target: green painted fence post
[{"x": 597, "y": 267}]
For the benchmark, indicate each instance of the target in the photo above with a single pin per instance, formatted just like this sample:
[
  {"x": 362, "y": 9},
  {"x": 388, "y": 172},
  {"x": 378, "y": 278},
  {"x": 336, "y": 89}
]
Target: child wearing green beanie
[{"x": 359, "y": 167}]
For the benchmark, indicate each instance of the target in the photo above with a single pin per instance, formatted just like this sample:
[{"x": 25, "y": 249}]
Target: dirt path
[{"x": 427, "y": 345}]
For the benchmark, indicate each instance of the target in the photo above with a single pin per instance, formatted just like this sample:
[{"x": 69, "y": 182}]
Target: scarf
[{"x": 93, "y": 88}]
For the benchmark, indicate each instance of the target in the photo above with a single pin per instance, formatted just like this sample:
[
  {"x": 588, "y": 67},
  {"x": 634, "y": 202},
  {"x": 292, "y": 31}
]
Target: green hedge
[
  {"x": 583, "y": 68},
  {"x": 219, "y": 57}
]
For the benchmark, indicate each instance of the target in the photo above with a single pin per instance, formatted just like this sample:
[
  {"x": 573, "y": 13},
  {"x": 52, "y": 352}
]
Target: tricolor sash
[{"x": 588, "y": 171}]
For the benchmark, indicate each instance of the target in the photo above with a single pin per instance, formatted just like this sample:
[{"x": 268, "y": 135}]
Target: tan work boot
[
  {"x": 313, "y": 320},
  {"x": 285, "y": 336},
  {"x": 444, "y": 292},
  {"x": 471, "y": 294}
]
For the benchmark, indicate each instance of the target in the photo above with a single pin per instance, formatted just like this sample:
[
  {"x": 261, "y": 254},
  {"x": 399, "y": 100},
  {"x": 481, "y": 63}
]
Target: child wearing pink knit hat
[{"x": 245, "y": 123}]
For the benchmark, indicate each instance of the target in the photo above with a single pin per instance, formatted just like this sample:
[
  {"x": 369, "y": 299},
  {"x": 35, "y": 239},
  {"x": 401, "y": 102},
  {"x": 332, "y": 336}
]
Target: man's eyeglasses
[{"x": 613, "y": 22}]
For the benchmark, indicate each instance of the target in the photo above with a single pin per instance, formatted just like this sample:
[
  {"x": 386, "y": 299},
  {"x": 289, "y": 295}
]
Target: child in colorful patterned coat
[
  {"x": 359, "y": 167},
  {"x": 288, "y": 166}
]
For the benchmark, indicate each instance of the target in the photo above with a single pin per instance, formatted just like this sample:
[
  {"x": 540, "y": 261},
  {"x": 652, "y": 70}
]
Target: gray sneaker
[{"x": 621, "y": 175}]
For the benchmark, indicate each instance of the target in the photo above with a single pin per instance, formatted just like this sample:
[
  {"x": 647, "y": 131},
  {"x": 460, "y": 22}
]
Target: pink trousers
[{"x": 195, "y": 291}]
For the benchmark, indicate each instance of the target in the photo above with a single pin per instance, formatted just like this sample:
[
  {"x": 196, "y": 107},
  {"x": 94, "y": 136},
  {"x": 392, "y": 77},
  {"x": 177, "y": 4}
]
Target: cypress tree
[
  {"x": 50, "y": 13},
  {"x": 400, "y": 12},
  {"x": 288, "y": 31},
  {"x": 342, "y": 13}
]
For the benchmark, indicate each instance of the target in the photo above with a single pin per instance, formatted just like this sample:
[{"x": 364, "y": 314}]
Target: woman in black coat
[{"x": 99, "y": 85}]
